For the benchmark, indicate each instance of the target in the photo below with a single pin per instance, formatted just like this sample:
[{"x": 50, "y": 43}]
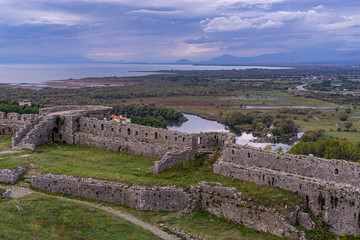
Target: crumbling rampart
[
  {"x": 11, "y": 176},
  {"x": 214, "y": 198},
  {"x": 337, "y": 201}
]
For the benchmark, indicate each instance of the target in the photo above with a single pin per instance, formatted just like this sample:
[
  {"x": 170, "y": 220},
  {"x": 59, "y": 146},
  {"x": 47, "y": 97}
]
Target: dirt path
[{"x": 18, "y": 192}]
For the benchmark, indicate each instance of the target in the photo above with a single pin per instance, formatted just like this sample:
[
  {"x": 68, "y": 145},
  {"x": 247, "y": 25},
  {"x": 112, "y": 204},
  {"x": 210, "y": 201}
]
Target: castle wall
[
  {"x": 120, "y": 145},
  {"x": 171, "y": 159},
  {"x": 167, "y": 198},
  {"x": 15, "y": 118},
  {"x": 331, "y": 170},
  {"x": 135, "y": 132},
  {"x": 336, "y": 203},
  {"x": 227, "y": 203},
  {"x": 97, "y": 111},
  {"x": 9, "y": 129},
  {"x": 11, "y": 176},
  {"x": 214, "y": 198}
]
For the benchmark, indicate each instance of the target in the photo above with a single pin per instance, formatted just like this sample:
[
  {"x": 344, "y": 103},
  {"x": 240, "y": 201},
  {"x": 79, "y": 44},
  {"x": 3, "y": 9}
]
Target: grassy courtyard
[{"x": 101, "y": 164}]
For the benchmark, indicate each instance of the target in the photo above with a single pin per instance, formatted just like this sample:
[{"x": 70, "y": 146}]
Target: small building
[
  {"x": 25, "y": 102},
  {"x": 120, "y": 119}
]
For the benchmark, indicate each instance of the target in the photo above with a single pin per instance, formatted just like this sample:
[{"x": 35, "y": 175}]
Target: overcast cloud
[{"x": 168, "y": 30}]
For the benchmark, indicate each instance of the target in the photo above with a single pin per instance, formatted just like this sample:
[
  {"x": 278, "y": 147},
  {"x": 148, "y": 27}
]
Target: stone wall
[
  {"x": 15, "y": 118},
  {"x": 228, "y": 203},
  {"x": 331, "y": 170},
  {"x": 9, "y": 129},
  {"x": 164, "y": 198},
  {"x": 6, "y": 194},
  {"x": 211, "y": 197},
  {"x": 11, "y": 176},
  {"x": 171, "y": 159},
  {"x": 336, "y": 202},
  {"x": 120, "y": 145},
  {"x": 97, "y": 111}
]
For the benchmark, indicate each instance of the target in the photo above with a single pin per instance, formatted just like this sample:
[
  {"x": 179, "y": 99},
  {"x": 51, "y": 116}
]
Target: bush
[
  {"x": 330, "y": 149},
  {"x": 348, "y": 124},
  {"x": 343, "y": 116},
  {"x": 348, "y": 110}
]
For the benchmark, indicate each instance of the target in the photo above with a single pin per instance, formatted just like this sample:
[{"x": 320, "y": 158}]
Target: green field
[{"x": 46, "y": 217}]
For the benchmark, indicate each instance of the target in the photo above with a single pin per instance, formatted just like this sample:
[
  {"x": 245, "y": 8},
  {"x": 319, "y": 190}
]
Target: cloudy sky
[{"x": 168, "y": 30}]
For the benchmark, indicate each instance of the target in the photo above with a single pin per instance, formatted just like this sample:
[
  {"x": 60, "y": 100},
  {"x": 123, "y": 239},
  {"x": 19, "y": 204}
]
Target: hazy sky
[{"x": 168, "y": 30}]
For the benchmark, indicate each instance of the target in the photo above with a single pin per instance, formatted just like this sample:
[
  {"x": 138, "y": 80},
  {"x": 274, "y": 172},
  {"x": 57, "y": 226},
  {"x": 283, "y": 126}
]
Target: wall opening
[
  {"x": 336, "y": 171},
  {"x": 24, "y": 119},
  {"x": 233, "y": 151},
  {"x": 136, "y": 133},
  {"x": 94, "y": 126},
  {"x": 112, "y": 129},
  {"x": 199, "y": 140},
  {"x": 128, "y": 131},
  {"x": 248, "y": 155},
  {"x": 54, "y": 134},
  {"x": 166, "y": 137},
  {"x": 60, "y": 136},
  {"x": 175, "y": 138},
  {"x": 146, "y": 134},
  {"x": 307, "y": 201},
  {"x": 85, "y": 125},
  {"x": 156, "y": 135},
  {"x": 321, "y": 201},
  {"x": 183, "y": 139},
  {"x": 102, "y": 127}
]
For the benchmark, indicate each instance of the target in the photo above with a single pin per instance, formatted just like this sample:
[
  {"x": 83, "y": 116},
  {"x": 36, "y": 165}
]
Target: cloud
[{"x": 155, "y": 12}]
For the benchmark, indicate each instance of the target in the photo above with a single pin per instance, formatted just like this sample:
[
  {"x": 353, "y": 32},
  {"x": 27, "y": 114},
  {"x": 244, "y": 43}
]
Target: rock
[{"x": 305, "y": 221}]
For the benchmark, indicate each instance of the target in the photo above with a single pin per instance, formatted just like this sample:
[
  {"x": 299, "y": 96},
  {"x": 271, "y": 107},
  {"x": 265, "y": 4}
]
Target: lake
[
  {"x": 39, "y": 73},
  {"x": 196, "y": 124}
]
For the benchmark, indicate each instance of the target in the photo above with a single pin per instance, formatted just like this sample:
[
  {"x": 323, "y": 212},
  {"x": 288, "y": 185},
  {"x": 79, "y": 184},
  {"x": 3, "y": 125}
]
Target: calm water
[
  {"x": 197, "y": 124},
  {"x": 38, "y": 73}
]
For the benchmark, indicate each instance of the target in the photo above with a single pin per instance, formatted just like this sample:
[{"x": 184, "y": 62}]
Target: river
[{"x": 196, "y": 124}]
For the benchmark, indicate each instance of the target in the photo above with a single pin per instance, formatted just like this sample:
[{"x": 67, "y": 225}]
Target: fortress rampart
[
  {"x": 334, "y": 198},
  {"x": 329, "y": 187},
  {"x": 214, "y": 198}
]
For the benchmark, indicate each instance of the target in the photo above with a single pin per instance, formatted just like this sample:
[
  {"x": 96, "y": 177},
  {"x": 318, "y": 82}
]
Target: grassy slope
[
  {"x": 5, "y": 144},
  {"x": 45, "y": 217}
]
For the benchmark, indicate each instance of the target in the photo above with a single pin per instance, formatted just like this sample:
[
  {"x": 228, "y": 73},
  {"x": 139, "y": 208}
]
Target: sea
[{"x": 39, "y": 73}]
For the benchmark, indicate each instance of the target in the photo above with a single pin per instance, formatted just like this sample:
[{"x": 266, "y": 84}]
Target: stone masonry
[
  {"x": 11, "y": 176},
  {"x": 211, "y": 197},
  {"x": 329, "y": 187}
]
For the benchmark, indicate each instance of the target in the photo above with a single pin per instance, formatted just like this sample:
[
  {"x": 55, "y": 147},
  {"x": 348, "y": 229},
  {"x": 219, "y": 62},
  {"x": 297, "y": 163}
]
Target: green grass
[
  {"x": 101, "y": 164},
  {"x": 2, "y": 191},
  {"x": 5, "y": 142},
  {"x": 203, "y": 224},
  {"x": 44, "y": 217}
]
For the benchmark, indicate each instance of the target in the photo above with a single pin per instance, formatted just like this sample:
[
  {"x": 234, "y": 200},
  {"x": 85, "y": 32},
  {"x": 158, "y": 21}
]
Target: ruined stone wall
[
  {"x": 152, "y": 135},
  {"x": 15, "y": 118},
  {"x": 121, "y": 145},
  {"x": 10, "y": 129},
  {"x": 331, "y": 170},
  {"x": 97, "y": 111},
  {"x": 336, "y": 203},
  {"x": 211, "y": 197},
  {"x": 6, "y": 194},
  {"x": 227, "y": 202},
  {"x": 135, "y": 132},
  {"x": 164, "y": 198},
  {"x": 171, "y": 159},
  {"x": 11, "y": 176}
]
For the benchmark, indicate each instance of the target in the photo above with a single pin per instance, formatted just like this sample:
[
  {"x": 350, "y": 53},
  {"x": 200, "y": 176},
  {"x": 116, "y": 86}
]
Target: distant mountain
[
  {"x": 183, "y": 61},
  {"x": 307, "y": 56}
]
